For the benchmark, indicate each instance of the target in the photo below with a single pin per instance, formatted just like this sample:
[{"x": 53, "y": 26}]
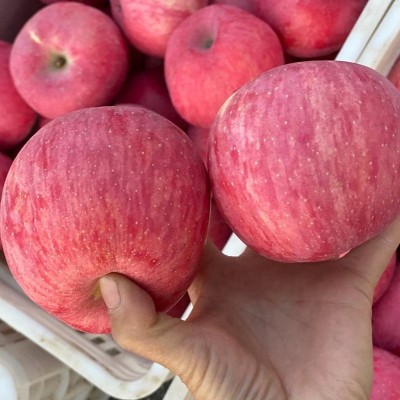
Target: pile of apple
[{"x": 137, "y": 129}]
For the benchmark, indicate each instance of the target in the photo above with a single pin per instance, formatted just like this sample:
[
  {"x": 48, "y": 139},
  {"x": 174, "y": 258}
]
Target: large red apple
[
  {"x": 386, "y": 317},
  {"x": 16, "y": 117},
  {"x": 68, "y": 56},
  {"x": 386, "y": 381},
  {"x": 148, "y": 24},
  {"x": 311, "y": 28},
  {"x": 148, "y": 89},
  {"x": 302, "y": 165},
  {"x": 100, "y": 190},
  {"x": 211, "y": 54}
]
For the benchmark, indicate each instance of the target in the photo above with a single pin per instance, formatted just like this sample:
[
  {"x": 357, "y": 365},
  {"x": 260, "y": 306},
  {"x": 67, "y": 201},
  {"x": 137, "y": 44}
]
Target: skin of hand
[{"x": 260, "y": 329}]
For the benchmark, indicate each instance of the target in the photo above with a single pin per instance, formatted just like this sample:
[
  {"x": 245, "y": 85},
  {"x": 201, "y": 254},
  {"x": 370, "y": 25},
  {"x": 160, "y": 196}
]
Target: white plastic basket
[
  {"x": 374, "y": 42},
  {"x": 29, "y": 373}
]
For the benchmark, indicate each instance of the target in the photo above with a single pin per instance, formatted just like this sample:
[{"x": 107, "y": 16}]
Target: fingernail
[{"x": 110, "y": 292}]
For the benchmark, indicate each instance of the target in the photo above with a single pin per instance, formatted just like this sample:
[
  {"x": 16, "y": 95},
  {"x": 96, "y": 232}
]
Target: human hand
[{"x": 263, "y": 330}]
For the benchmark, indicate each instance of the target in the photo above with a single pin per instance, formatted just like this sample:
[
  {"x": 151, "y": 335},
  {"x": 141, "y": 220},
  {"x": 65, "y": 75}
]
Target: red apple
[
  {"x": 100, "y": 190},
  {"x": 211, "y": 54},
  {"x": 68, "y": 56},
  {"x": 16, "y": 117},
  {"x": 247, "y": 5},
  {"x": 5, "y": 164},
  {"x": 199, "y": 136},
  {"x": 180, "y": 307},
  {"x": 148, "y": 24},
  {"x": 94, "y": 3},
  {"x": 386, "y": 382},
  {"x": 394, "y": 74},
  {"x": 385, "y": 279},
  {"x": 218, "y": 230},
  {"x": 148, "y": 89},
  {"x": 386, "y": 317},
  {"x": 302, "y": 166},
  {"x": 311, "y": 28}
]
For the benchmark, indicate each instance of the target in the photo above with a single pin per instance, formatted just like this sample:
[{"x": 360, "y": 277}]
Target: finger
[
  {"x": 372, "y": 257},
  {"x": 137, "y": 327},
  {"x": 209, "y": 264}
]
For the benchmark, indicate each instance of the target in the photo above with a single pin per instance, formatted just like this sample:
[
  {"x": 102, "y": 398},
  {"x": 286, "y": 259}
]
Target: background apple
[
  {"x": 394, "y": 74},
  {"x": 385, "y": 279},
  {"x": 211, "y": 54},
  {"x": 386, "y": 317},
  {"x": 68, "y": 56},
  {"x": 100, "y": 190},
  {"x": 301, "y": 164},
  {"x": 149, "y": 24},
  {"x": 386, "y": 381},
  {"x": 94, "y": 3},
  {"x": 16, "y": 117},
  {"x": 148, "y": 89},
  {"x": 247, "y": 5},
  {"x": 311, "y": 28}
]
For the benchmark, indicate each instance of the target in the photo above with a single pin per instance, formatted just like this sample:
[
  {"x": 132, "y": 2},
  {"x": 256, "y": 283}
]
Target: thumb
[{"x": 137, "y": 327}]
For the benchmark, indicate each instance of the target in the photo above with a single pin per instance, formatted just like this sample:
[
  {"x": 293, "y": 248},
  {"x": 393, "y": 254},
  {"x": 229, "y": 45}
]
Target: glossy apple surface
[
  {"x": 16, "y": 117},
  {"x": 386, "y": 381},
  {"x": 100, "y": 190},
  {"x": 148, "y": 24},
  {"x": 68, "y": 56},
  {"x": 302, "y": 166},
  {"x": 211, "y": 54},
  {"x": 311, "y": 28}
]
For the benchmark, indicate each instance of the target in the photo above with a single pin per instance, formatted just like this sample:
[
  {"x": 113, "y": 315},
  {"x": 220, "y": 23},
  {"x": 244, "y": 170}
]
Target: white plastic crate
[
  {"x": 375, "y": 42},
  {"x": 29, "y": 373}
]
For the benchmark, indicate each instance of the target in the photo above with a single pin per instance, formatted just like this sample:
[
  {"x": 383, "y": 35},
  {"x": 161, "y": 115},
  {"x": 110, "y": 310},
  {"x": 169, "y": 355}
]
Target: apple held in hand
[
  {"x": 385, "y": 279},
  {"x": 100, "y": 190},
  {"x": 16, "y": 117},
  {"x": 211, "y": 54},
  {"x": 311, "y": 28},
  {"x": 302, "y": 165},
  {"x": 69, "y": 56},
  {"x": 148, "y": 24}
]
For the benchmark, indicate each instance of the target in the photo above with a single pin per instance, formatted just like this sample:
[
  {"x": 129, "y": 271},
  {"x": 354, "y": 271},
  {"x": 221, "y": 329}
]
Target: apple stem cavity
[
  {"x": 208, "y": 43},
  {"x": 58, "y": 62}
]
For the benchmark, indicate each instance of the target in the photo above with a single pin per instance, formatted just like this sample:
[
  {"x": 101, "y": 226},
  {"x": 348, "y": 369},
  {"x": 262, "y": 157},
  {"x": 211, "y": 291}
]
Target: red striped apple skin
[
  {"x": 305, "y": 159},
  {"x": 100, "y": 190}
]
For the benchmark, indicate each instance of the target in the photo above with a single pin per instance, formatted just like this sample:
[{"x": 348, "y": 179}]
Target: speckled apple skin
[
  {"x": 305, "y": 159},
  {"x": 311, "y": 28},
  {"x": 16, "y": 117},
  {"x": 386, "y": 381},
  {"x": 100, "y": 190},
  {"x": 149, "y": 24},
  {"x": 96, "y": 53},
  {"x": 211, "y": 54}
]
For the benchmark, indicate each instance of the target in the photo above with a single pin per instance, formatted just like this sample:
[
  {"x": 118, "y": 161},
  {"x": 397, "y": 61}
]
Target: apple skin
[
  {"x": 311, "y": 28},
  {"x": 211, "y": 54},
  {"x": 247, "y": 5},
  {"x": 16, "y": 117},
  {"x": 199, "y": 136},
  {"x": 5, "y": 164},
  {"x": 148, "y": 89},
  {"x": 385, "y": 279},
  {"x": 148, "y": 24},
  {"x": 302, "y": 166},
  {"x": 394, "y": 74},
  {"x": 386, "y": 380},
  {"x": 93, "y": 3},
  {"x": 100, "y": 190},
  {"x": 386, "y": 317},
  {"x": 69, "y": 56}
]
